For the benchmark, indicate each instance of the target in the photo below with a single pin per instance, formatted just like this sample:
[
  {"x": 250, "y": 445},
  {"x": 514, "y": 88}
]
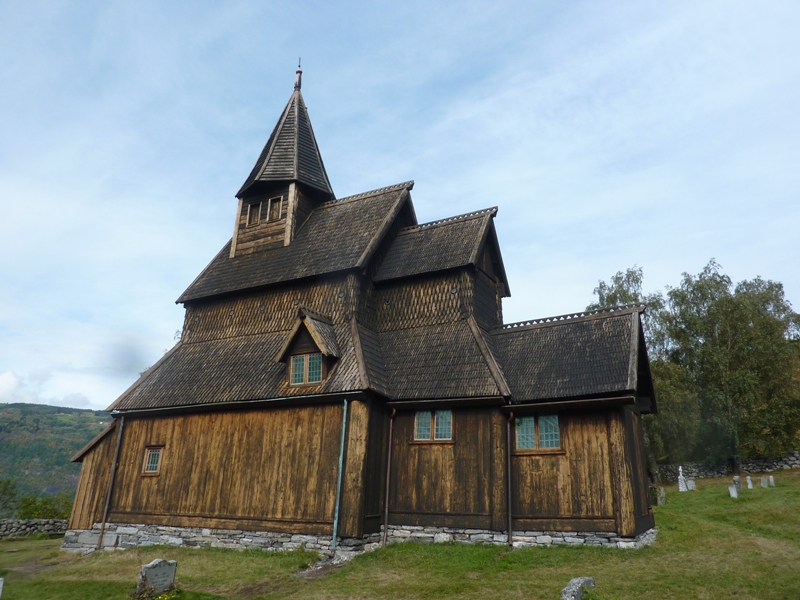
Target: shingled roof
[
  {"x": 339, "y": 235},
  {"x": 291, "y": 153},
  {"x": 229, "y": 370},
  {"x": 436, "y": 246},
  {"x": 570, "y": 356}
]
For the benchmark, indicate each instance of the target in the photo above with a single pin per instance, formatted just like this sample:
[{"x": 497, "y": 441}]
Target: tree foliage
[
  {"x": 45, "y": 507},
  {"x": 8, "y": 497},
  {"x": 725, "y": 362}
]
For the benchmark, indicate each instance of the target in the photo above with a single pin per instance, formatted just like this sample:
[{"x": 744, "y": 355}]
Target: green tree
[
  {"x": 725, "y": 362},
  {"x": 8, "y": 496},
  {"x": 736, "y": 343},
  {"x": 45, "y": 507}
]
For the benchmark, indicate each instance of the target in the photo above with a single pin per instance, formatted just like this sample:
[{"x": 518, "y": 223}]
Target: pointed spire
[{"x": 291, "y": 153}]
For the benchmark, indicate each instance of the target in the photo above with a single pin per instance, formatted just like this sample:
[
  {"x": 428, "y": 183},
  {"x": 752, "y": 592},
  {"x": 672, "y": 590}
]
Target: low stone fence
[
  {"x": 697, "y": 470},
  {"x": 121, "y": 536},
  {"x": 12, "y": 528}
]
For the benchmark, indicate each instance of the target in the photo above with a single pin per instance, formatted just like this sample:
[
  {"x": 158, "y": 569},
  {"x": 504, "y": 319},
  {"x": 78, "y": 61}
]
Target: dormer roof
[
  {"x": 291, "y": 153},
  {"x": 321, "y": 329}
]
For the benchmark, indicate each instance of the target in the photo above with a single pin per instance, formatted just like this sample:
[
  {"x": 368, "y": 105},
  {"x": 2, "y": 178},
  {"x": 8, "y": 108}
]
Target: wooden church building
[{"x": 343, "y": 367}]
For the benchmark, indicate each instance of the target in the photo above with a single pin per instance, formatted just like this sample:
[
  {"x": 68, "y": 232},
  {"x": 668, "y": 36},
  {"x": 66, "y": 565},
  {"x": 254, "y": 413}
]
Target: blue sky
[{"x": 608, "y": 133}]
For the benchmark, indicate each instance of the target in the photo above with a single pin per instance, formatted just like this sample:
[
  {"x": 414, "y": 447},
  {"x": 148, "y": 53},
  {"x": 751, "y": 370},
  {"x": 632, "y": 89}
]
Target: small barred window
[{"x": 152, "y": 461}]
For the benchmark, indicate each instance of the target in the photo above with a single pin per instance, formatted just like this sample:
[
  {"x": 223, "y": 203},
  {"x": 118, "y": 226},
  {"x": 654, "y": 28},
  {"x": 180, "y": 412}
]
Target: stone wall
[
  {"x": 11, "y": 528},
  {"x": 121, "y": 536},
  {"x": 697, "y": 470}
]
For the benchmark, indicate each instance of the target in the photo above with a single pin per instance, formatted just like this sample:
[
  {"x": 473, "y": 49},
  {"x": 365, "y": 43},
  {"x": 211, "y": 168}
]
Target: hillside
[{"x": 37, "y": 441}]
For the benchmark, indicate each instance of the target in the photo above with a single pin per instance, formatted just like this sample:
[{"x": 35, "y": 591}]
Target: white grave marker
[
  {"x": 1, "y": 587},
  {"x": 681, "y": 480},
  {"x": 160, "y": 574},
  {"x": 732, "y": 491},
  {"x": 771, "y": 481},
  {"x": 749, "y": 482},
  {"x": 690, "y": 485},
  {"x": 764, "y": 482},
  {"x": 737, "y": 481}
]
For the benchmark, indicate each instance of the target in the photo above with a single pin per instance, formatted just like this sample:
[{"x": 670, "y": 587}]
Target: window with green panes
[
  {"x": 306, "y": 368},
  {"x": 434, "y": 425},
  {"x": 542, "y": 429}
]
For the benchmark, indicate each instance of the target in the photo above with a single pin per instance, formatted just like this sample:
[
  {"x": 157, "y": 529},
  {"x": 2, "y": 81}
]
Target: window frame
[
  {"x": 146, "y": 461},
  {"x": 305, "y": 356},
  {"x": 537, "y": 439},
  {"x": 270, "y": 203},
  {"x": 432, "y": 439},
  {"x": 250, "y": 212}
]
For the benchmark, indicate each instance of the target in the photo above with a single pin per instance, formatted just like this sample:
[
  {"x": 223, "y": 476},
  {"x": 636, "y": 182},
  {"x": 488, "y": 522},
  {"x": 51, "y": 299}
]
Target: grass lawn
[{"x": 709, "y": 546}]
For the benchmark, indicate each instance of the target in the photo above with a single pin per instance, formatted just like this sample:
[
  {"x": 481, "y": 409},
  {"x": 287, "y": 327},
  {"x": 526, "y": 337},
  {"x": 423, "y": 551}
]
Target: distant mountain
[{"x": 37, "y": 441}]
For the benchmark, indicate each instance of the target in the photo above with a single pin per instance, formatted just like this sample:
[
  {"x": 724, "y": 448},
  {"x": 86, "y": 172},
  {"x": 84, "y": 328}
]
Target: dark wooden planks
[
  {"x": 270, "y": 468},
  {"x": 443, "y": 478}
]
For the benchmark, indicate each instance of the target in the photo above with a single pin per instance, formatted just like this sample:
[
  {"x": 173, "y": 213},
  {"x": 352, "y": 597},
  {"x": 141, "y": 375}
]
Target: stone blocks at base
[{"x": 127, "y": 535}]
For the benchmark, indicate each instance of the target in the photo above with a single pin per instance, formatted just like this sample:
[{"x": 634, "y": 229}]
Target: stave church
[{"x": 345, "y": 379}]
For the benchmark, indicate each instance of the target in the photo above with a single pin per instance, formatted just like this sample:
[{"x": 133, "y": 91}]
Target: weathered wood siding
[
  {"x": 440, "y": 483},
  {"x": 90, "y": 496},
  {"x": 262, "y": 469},
  {"x": 264, "y": 234},
  {"x": 568, "y": 491},
  {"x": 636, "y": 450}
]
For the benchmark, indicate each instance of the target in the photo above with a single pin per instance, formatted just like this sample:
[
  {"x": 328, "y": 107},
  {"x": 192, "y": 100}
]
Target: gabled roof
[
  {"x": 321, "y": 329},
  {"x": 439, "y": 245},
  {"x": 291, "y": 153},
  {"x": 338, "y": 235},
  {"x": 579, "y": 355}
]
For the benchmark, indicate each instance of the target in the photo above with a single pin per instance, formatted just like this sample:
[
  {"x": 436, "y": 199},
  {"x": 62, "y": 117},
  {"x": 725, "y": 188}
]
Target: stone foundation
[
  {"x": 521, "y": 539},
  {"x": 12, "y": 528},
  {"x": 119, "y": 536}
]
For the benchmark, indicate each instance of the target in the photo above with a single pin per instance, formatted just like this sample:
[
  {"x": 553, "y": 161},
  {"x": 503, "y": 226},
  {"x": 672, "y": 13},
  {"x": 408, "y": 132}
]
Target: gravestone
[
  {"x": 732, "y": 491},
  {"x": 681, "y": 480},
  {"x": 1, "y": 587},
  {"x": 737, "y": 481},
  {"x": 690, "y": 485},
  {"x": 749, "y": 482},
  {"x": 574, "y": 589},
  {"x": 662, "y": 496},
  {"x": 764, "y": 482},
  {"x": 160, "y": 574},
  {"x": 771, "y": 481}
]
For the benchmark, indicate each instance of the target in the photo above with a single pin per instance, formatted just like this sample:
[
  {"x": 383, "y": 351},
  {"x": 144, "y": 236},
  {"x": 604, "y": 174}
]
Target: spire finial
[{"x": 298, "y": 78}]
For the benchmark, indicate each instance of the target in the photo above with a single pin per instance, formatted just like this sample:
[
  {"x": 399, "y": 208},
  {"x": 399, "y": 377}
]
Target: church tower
[{"x": 287, "y": 182}]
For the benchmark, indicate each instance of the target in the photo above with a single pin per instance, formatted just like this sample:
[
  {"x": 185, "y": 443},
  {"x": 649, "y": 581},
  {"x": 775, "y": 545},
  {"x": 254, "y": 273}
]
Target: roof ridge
[
  {"x": 448, "y": 220},
  {"x": 611, "y": 310},
  {"x": 406, "y": 184}
]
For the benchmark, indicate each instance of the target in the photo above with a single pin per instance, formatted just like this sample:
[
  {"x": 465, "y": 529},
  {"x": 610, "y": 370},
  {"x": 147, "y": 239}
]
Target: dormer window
[
  {"x": 306, "y": 369},
  {"x": 253, "y": 213}
]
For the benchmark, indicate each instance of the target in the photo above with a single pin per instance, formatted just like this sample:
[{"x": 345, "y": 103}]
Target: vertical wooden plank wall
[
  {"x": 443, "y": 483},
  {"x": 621, "y": 473},
  {"x": 87, "y": 508},
  {"x": 262, "y": 469},
  {"x": 571, "y": 490},
  {"x": 352, "y": 502}
]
